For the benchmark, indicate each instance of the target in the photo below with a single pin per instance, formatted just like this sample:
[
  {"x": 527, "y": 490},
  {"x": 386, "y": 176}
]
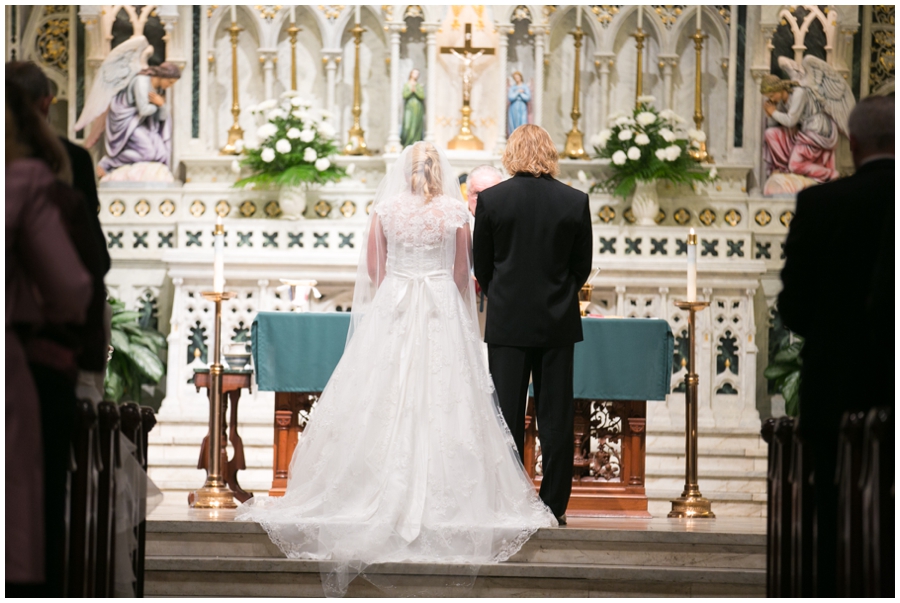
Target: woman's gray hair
[{"x": 484, "y": 170}]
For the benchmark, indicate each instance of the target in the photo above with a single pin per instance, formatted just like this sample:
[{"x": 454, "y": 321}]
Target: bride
[{"x": 406, "y": 457}]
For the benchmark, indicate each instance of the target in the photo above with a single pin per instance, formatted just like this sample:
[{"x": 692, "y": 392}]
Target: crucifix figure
[{"x": 467, "y": 55}]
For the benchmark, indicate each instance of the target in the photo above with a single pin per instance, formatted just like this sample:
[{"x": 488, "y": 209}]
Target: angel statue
[
  {"x": 126, "y": 104},
  {"x": 806, "y": 115}
]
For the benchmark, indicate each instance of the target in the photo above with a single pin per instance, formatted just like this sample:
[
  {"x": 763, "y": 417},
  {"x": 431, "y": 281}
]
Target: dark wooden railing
[
  {"x": 865, "y": 520},
  {"x": 92, "y": 495}
]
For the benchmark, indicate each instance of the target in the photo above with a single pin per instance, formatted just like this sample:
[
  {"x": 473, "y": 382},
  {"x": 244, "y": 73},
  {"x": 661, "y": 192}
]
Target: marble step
[{"x": 256, "y": 577}]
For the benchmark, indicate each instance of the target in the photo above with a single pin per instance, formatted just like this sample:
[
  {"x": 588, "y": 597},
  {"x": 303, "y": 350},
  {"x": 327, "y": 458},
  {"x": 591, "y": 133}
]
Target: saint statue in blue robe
[{"x": 519, "y": 96}]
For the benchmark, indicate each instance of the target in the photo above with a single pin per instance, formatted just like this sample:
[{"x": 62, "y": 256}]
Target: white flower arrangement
[
  {"x": 294, "y": 144},
  {"x": 645, "y": 146}
]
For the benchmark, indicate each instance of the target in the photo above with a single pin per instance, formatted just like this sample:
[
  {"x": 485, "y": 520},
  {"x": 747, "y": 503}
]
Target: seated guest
[
  {"x": 834, "y": 247},
  {"x": 45, "y": 282}
]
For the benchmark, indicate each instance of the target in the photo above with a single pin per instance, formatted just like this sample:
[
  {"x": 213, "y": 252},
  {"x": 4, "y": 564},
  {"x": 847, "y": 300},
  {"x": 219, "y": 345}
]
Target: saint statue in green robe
[{"x": 413, "y": 110}]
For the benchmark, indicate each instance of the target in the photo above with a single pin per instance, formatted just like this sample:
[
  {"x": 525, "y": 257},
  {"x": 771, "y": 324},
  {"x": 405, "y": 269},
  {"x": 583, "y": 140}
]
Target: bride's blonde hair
[{"x": 425, "y": 176}]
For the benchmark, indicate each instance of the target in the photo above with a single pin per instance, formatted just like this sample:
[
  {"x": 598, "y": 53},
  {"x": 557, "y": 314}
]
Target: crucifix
[{"x": 467, "y": 55}]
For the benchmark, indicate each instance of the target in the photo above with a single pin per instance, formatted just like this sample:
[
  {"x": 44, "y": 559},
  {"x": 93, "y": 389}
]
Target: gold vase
[{"x": 584, "y": 298}]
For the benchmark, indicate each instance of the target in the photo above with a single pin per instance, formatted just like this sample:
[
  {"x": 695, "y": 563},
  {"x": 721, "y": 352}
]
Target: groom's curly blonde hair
[{"x": 531, "y": 150}]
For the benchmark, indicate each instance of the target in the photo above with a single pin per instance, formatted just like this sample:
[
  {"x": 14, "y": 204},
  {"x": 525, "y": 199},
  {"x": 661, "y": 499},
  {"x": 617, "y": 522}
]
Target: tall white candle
[
  {"x": 233, "y": 13},
  {"x": 219, "y": 257},
  {"x": 358, "y": 7},
  {"x": 578, "y": 17},
  {"x": 699, "y": 15},
  {"x": 293, "y": 16},
  {"x": 640, "y": 16},
  {"x": 692, "y": 267}
]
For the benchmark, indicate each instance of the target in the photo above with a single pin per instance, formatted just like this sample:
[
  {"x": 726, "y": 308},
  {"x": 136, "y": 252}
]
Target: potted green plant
[
  {"x": 295, "y": 150},
  {"x": 135, "y": 355},
  {"x": 785, "y": 371},
  {"x": 643, "y": 148}
]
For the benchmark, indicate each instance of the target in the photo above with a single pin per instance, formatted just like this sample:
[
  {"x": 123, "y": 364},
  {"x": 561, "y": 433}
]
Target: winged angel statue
[
  {"x": 806, "y": 115},
  {"x": 126, "y": 106}
]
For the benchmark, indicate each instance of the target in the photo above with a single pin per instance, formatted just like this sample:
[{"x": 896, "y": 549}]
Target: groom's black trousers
[{"x": 551, "y": 371}]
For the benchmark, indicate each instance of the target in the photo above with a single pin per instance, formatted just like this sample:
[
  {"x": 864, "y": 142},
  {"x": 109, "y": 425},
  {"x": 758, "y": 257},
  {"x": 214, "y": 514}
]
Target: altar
[{"x": 621, "y": 364}]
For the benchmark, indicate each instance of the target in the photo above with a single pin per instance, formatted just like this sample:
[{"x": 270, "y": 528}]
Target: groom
[{"x": 532, "y": 253}]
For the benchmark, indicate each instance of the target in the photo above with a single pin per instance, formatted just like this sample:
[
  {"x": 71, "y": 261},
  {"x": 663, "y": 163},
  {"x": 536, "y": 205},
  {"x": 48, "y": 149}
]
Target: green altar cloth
[{"x": 619, "y": 359}]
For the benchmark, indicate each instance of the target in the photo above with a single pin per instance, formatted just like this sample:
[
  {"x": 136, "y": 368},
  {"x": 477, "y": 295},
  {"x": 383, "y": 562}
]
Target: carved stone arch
[
  {"x": 41, "y": 19},
  {"x": 686, "y": 25},
  {"x": 652, "y": 27},
  {"x": 590, "y": 25},
  {"x": 345, "y": 22},
  {"x": 506, "y": 13},
  {"x": 221, "y": 15},
  {"x": 282, "y": 22}
]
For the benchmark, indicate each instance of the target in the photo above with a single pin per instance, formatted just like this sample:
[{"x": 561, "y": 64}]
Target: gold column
[
  {"x": 695, "y": 153},
  {"x": 292, "y": 34},
  {"x": 574, "y": 148},
  {"x": 235, "y": 132},
  {"x": 639, "y": 37},
  {"x": 691, "y": 504},
  {"x": 215, "y": 493},
  {"x": 356, "y": 137}
]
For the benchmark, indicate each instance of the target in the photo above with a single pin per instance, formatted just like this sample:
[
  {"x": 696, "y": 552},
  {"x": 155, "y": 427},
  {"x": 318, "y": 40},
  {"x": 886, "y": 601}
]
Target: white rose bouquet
[
  {"x": 645, "y": 146},
  {"x": 295, "y": 145}
]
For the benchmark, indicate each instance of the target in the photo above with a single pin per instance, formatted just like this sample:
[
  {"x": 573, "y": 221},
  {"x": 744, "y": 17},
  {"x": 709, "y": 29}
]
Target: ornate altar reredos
[{"x": 233, "y": 58}]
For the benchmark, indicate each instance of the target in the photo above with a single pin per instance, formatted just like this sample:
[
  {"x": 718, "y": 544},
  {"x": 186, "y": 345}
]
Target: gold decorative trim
[
  {"x": 682, "y": 216},
  {"x": 733, "y": 217},
  {"x": 369, "y": 207},
  {"x": 628, "y": 215},
  {"x": 707, "y": 217},
  {"x": 267, "y": 11},
  {"x": 763, "y": 217},
  {"x": 273, "y": 209},
  {"x": 348, "y": 208},
  {"x": 605, "y": 13},
  {"x": 606, "y": 214},
  {"x": 248, "y": 208},
  {"x": 142, "y": 208},
  {"x": 331, "y": 11},
  {"x": 323, "y": 208},
  {"x": 223, "y": 208},
  {"x": 660, "y": 217},
  {"x": 117, "y": 208},
  {"x": 786, "y": 218},
  {"x": 167, "y": 207},
  {"x": 198, "y": 208}
]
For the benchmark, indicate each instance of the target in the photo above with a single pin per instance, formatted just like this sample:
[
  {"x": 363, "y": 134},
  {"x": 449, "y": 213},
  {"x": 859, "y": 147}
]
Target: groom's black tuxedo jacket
[{"x": 532, "y": 253}]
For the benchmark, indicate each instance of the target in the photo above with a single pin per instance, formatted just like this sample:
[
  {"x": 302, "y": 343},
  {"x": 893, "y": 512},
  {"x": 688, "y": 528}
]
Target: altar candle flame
[{"x": 692, "y": 266}]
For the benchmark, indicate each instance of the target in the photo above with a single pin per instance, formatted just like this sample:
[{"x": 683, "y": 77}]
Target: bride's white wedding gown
[{"x": 406, "y": 456}]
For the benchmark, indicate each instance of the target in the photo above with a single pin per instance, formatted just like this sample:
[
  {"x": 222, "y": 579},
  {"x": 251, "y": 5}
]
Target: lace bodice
[{"x": 421, "y": 236}]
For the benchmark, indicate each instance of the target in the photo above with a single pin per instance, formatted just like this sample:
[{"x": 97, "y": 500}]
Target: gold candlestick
[
  {"x": 292, "y": 34},
  {"x": 695, "y": 153},
  {"x": 574, "y": 148},
  {"x": 356, "y": 137},
  {"x": 691, "y": 504},
  {"x": 215, "y": 493},
  {"x": 639, "y": 37},
  {"x": 235, "y": 133}
]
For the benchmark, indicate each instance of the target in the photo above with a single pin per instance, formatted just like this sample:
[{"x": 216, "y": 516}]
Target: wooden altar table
[{"x": 621, "y": 364}]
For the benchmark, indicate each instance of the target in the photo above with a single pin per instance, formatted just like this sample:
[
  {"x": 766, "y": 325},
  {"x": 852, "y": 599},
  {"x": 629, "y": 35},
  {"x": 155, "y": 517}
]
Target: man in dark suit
[
  {"x": 838, "y": 294},
  {"x": 532, "y": 253}
]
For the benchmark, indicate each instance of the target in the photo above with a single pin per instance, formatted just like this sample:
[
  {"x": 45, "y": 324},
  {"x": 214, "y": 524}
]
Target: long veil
[{"x": 396, "y": 183}]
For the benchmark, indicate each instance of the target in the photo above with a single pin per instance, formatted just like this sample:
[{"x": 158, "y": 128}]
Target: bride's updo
[{"x": 425, "y": 171}]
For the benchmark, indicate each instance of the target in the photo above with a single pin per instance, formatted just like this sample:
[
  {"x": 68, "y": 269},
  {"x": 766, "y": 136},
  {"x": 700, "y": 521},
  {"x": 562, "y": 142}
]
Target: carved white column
[
  {"x": 667, "y": 64},
  {"x": 503, "y": 31},
  {"x": 620, "y": 300},
  {"x": 538, "y": 93},
  {"x": 330, "y": 58},
  {"x": 732, "y": 80},
  {"x": 749, "y": 414},
  {"x": 393, "y": 141},
  {"x": 175, "y": 352},
  {"x": 268, "y": 57},
  {"x": 430, "y": 30},
  {"x": 604, "y": 62}
]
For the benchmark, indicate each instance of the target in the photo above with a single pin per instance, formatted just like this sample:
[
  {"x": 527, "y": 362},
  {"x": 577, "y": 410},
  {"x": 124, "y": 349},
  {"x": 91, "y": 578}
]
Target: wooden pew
[
  {"x": 849, "y": 523},
  {"x": 803, "y": 574},
  {"x": 148, "y": 421},
  {"x": 83, "y": 502},
  {"x": 108, "y": 436},
  {"x": 878, "y": 503},
  {"x": 133, "y": 429},
  {"x": 779, "y": 433}
]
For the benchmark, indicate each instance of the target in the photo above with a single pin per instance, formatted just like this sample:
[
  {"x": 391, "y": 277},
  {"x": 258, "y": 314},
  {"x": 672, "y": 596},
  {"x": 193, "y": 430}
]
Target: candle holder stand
[
  {"x": 699, "y": 154},
  {"x": 574, "y": 148},
  {"x": 691, "y": 504},
  {"x": 235, "y": 132},
  {"x": 215, "y": 493},
  {"x": 356, "y": 137},
  {"x": 639, "y": 37}
]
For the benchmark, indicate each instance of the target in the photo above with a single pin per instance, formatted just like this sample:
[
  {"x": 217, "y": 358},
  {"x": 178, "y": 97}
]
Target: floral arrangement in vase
[
  {"x": 296, "y": 145},
  {"x": 643, "y": 148}
]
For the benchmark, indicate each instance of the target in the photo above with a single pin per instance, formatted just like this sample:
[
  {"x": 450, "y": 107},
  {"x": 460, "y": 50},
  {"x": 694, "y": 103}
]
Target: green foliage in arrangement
[
  {"x": 135, "y": 358},
  {"x": 646, "y": 146},
  {"x": 785, "y": 371}
]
